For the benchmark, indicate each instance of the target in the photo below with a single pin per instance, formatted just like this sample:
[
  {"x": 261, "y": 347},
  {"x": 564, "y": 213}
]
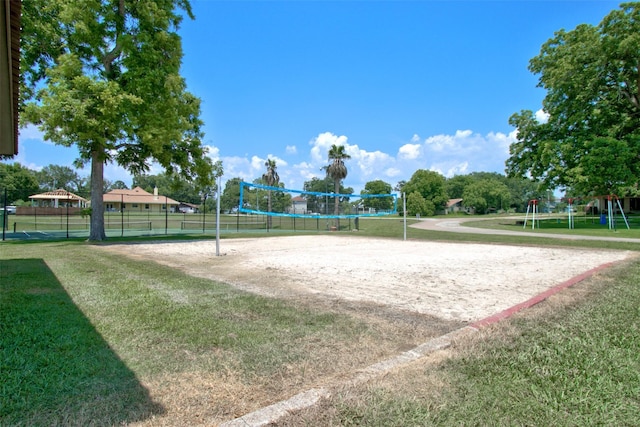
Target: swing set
[
  {"x": 532, "y": 208},
  {"x": 611, "y": 212}
]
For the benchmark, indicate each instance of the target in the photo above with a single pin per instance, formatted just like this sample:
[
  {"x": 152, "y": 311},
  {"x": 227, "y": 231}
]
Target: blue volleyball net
[{"x": 278, "y": 201}]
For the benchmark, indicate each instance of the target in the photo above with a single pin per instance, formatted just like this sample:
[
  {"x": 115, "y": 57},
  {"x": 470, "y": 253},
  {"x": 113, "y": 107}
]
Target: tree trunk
[
  {"x": 336, "y": 203},
  {"x": 97, "y": 202},
  {"x": 269, "y": 210}
]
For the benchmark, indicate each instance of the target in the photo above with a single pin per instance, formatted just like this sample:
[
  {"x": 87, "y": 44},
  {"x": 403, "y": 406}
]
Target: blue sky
[{"x": 403, "y": 85}]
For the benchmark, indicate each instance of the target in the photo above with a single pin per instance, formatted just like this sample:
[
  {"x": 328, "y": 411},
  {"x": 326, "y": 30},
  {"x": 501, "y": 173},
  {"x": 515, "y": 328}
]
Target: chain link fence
[{"x": 65, "y": 215}]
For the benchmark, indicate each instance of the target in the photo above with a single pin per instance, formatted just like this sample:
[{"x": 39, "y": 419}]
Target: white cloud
[
  {"x": 542, "y": 116},
  {"x": 306, "y": 171},
  {"x": 237, "y": 167},
  {"x": 393, "y": 172},
  {"x": 213, "y": 152},
  {"x": 114, "y": 172},
  {"x": 368, "y": 162},
  {"x": 321, "y": 144},
  {"x": 458, "y": 153},
  {"x": 257, "y": 163},
  {"x": 448, "y": 142},
  {"x": 31, "y": 132},
  {"x": 291, "y": 149},
  {"x": 410, "y": 151}
]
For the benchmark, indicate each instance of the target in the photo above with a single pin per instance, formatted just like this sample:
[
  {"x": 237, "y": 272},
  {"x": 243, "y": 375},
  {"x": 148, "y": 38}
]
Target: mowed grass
[
  {"x": 81, "y": 330},
  {"x": 587, "y": 225},
  {"x": 92, "y": 338}
]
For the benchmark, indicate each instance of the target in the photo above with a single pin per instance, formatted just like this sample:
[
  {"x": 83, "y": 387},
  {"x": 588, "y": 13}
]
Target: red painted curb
[{"x": 538, "y": 298}]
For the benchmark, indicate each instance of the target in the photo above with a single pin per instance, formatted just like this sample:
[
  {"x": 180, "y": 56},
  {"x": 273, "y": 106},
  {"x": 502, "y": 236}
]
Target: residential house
[
  {"x": 599, "y": 204},
  {"x": 185, "y": 207},
  {"x": 138, "y": 200},
  {"x": 453, "y": 206},
  {"x": 298, "y": 205}
]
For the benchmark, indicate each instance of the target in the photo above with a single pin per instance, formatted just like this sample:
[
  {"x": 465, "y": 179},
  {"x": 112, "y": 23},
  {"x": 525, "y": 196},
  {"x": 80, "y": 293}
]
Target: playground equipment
[
  {"x": 532, "y": 207},
  {"x": 611, "y": 213},
  {"x": 571, "y": 216}
]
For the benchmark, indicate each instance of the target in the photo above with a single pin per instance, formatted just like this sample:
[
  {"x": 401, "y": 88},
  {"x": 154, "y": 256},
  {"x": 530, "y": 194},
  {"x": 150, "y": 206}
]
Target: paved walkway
[{"x": 455, "y": 226}]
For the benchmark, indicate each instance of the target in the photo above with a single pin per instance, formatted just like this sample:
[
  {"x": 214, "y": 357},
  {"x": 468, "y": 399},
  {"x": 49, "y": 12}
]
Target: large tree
[
  {"x": 17, "y": 183},
  {"x": 591, "y": 140},
  {"x": 104, "y": 75},
  {"x": 377, "y": 187},
  {"x": 53, "y": 177},
  {"x": 430, "y": 186},
  {"x": 271, "y": 178},
  {"x": 485, "y": 194},
  {"x": 321, "y": 203},
  {"x": 337, "y": 170},
  {"x": 230, "y": 200}
]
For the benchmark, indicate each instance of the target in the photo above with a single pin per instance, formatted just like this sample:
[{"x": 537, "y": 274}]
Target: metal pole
[
  {"x": 121, "y": 215},
  {"x": 526, "y": 215},
  {"x": 204, "y": 211},
  {"x": 570, "y": 214},
  {"x": 533, "y": 215},
  {"x": 4, "y": 217},
  {"x": 404, "y": 210},
  {"x": 218, "y": 220}
]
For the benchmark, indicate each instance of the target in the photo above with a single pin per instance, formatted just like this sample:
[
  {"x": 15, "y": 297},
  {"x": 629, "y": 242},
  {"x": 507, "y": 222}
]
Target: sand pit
[{"x": 453, "y": 281}]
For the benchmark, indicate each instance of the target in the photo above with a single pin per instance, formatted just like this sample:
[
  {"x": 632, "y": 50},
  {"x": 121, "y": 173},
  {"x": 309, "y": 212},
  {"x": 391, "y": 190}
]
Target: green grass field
[
  {"x": 93, "y": 338},
  {"x": 559, "y": 224}
]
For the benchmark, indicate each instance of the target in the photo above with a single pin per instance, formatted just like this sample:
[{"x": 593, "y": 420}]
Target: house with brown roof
[
  {"x": 453, "y": 205},
  {"x": 298, "y": 205},
  {"x": 59, "y": 198},
  {"x": 56, "y": 202},
  {"x": 138, "y": 200}
]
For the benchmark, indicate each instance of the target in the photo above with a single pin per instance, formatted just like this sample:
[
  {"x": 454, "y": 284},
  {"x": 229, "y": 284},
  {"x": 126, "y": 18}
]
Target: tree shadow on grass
[{"x": 55, "y": 368}]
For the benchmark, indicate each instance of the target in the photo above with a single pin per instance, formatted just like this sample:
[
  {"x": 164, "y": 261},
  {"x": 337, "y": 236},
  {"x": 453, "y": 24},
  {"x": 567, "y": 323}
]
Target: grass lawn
[
  {"x": 88, "y": 337},
  {"x": 558, "y": 224}
]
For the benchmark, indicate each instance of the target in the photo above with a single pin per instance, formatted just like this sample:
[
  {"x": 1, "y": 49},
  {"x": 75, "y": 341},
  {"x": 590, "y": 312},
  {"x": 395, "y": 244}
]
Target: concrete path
[{"x": 456, "y": 226}]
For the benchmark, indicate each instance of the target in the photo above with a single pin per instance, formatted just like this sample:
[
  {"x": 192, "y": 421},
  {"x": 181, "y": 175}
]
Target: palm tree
[
  {"x": 271, "y": 178},
  {"x": 337, "y": 170}
]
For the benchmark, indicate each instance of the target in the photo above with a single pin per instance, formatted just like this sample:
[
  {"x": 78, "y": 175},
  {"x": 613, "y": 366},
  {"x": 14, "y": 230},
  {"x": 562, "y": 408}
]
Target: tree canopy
[
  {"x": 104, "y": 76},
  {"x": 377, "y": 187},
  {"x": 591, "y": 140},
  {"x": 17, "y": 183},
  {"x": 486, "y": 194},
  {"x": 324, "y": 204},
  {"x": 230, "y": 199},
  {"x": 430, "y": 186},
  {"x": 53, "y": 177}
]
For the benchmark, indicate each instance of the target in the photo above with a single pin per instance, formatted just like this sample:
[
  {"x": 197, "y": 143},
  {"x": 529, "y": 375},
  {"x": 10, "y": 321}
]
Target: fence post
[
  {"x": 121, "y": 215},
  {"x": 5, "y": 220}
]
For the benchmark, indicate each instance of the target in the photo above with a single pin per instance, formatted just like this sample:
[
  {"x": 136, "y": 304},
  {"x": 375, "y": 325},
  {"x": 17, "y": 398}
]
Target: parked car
[{"x": 11, "y": 210}]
